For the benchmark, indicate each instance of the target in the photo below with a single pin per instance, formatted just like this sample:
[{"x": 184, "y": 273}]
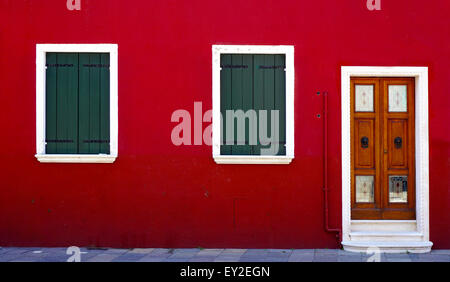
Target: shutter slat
[
  {"x": 247, "y": 99},
  {"x": 72, "y": 105},
  {"x": 61, "y": 104},
  {"x": 84, "y": 116},
  {"x": 236, "y": 100},
  {"x": 225, "y": 100},
  {"x": 258, "y": 93},
  {"x": 269, "y": 93},
  {"x": 94, "y": 103}
]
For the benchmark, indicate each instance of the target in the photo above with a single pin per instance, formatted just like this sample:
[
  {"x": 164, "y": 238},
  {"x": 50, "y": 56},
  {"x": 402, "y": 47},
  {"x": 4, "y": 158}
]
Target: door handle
[
  {"x": 364, "y": 142},
  {"x": 398, "y": 142}
]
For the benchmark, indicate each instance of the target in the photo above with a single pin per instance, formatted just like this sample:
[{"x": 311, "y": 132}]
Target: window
[
  {"x": 76, "y": 103},
  {"x": 253, "y": 104}
]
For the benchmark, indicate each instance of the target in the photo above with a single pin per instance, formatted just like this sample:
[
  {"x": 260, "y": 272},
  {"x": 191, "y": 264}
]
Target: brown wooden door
[{"x": 382, "y": 134}]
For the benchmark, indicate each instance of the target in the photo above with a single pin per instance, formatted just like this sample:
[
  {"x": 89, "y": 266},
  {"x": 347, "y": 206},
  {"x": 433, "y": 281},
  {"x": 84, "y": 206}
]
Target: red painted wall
[{"x": 157, "y": 194}]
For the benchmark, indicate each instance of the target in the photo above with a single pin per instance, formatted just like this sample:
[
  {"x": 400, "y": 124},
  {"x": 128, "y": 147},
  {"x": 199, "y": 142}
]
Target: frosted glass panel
[
  {"x": 398, "y": 98},
  {"x": 398, "y": 189},
  {"x": 364, "y": 188},
  {"x": 363, "y": 98}
]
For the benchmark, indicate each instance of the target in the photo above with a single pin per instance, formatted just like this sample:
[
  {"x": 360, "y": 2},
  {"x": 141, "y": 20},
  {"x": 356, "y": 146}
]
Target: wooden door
[{"x": 382, "y": 134}]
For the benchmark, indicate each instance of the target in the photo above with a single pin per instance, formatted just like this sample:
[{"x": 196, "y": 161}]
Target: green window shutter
[
  {"x": 253, "y": 82},
  {"x": 280, "y": 99},
  {"x": 258, "y": 95},
  {"x": 247, "y": 101},
  {"x": 62, "y": 103},
  {"x": 94, "y": 104},
  {"x": 225, "y": 100},
  {"x": 77, "y": 103},
  {"x": 50, "y": 104},
  {"x": 104, "y": 104},
  {"x": 84, "y": 101}
]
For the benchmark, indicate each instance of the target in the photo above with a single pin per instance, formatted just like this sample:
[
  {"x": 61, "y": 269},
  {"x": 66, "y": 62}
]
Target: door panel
[
  {"x": 365, "y": 124},
  {"x": 364, "y": 143},
  {"x": 398, "y": 169},
  {"x": 397, "y": 143},
  {"x": 383, "y": 164}
]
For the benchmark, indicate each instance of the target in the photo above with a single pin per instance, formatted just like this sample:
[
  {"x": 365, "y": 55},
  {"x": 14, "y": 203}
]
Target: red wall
[{"x": 157, "y": 194}]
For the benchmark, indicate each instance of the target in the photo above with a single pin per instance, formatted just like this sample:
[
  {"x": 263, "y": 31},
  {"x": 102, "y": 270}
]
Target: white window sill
[
  {"x": 253, "y": 159},
  {"x": 76, "y": 158}
]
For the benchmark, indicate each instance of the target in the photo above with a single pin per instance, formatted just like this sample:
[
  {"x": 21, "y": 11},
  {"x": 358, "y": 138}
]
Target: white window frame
[
  {"x": 41, "y": 50},
  {"x": 421, "y": 157},
  {"x": 288, "y": 51}
]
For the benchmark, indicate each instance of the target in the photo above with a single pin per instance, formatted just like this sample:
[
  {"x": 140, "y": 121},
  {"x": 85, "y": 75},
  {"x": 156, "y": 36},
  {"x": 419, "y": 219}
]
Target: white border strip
[
  {"x": 421, "y": 132},
  {"x": 253, "y": 160},
  {"x": 217, "y": 50},
  {"x": 41, "y": 49}
]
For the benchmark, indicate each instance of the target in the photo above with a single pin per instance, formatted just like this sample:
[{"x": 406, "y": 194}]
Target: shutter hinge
[
  {"x": 96, "y": 65},
  {"x": 96, "y": 141},
  {"x": 234, "y": 66},
  {"x": 273, "y": 67}
]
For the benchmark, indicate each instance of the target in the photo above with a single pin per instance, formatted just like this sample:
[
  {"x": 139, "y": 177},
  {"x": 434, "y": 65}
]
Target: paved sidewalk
[{"x": 211, "y": 255}]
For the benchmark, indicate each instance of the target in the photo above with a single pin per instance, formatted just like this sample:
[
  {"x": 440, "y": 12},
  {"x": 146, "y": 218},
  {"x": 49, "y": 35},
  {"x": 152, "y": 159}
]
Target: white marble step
[
  {"x": 388, "y": 246},
  {"x": 383, "y": 225},
  {"x": 386, "y": 236}
]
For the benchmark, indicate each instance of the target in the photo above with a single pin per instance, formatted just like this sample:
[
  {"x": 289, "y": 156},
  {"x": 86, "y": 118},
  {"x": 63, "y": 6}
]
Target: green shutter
[
  {"x": 77, "y": 103},
  {"x": 225, "y": 99},
  {"x": 104, "y": 104},
  {"x": 253, "y": 82},
  {"x": 269, "y": 91},
  {"x": 280, "y": 99},
  {"x": 50, "y": 104},
  {"x": 84, "y": 100},
  {"x": 258, "y": 95},
  {"x": 247, "y": 100},
  {"x": 62, "y": 103}
]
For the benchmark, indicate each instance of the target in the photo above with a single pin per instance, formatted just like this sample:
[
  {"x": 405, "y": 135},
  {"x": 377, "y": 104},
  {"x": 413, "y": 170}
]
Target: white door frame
[{"x": 421, "y": 139}]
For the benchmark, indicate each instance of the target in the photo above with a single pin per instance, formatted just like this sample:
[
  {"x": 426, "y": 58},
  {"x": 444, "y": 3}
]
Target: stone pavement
[{"x": 211, "y": 255}]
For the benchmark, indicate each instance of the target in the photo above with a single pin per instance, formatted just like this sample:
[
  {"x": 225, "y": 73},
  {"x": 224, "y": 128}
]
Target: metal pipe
[{"x": 325, "y": 169}]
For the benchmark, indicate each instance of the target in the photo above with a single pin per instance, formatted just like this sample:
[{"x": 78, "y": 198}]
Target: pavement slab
[
  {"x": 35, "y": 254},
  {"x": 129, "y": 257},
  {"x": 307, "y": 257}
]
